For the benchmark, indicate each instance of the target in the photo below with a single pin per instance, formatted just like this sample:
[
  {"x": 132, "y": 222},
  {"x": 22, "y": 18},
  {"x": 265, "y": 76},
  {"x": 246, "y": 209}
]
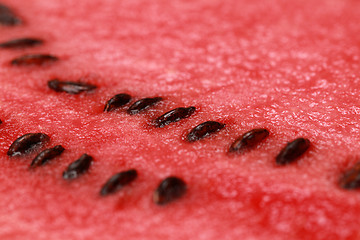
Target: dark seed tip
[
  {"x": 350, "y": 180},
  {"x": 8, "y": 17}
]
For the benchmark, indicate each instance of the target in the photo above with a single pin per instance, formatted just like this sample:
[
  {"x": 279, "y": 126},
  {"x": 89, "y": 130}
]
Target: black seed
[
  {"x": 203, "y": 130},
  {"x": 292, "y": 151},
  {"x": 21, "y": 43},
  {"x": 8, "y": 17},
  {"x": 117, "y": 101},
  {"x": 70, "y": 87},
  {"x": 351, "y": 178},
  {"x": 78, "y": 167},
  {"x": 46, "y": 155},
  {"x": 118, "y": 181},
  {"x": 169, "y": 189},
  {"x": 34, "y": 59},
  {"x": 174, "y": 115},
  {"x": 249, "y": 139},
  {"x": 27, "y": 142},
  {"x": 143, "y": 104}
]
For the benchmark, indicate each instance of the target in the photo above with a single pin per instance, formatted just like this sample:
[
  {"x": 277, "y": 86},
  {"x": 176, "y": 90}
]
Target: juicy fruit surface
[{"x": 289, "y": 66}]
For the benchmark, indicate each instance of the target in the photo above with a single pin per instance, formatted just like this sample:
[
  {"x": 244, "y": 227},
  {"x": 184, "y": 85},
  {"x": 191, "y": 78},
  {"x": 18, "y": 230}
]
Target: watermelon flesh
[{"x": 291, "y": 67}]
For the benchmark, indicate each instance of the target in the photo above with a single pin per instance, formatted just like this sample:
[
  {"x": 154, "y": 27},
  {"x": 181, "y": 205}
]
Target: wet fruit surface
[{"x": 291, "y": 67}]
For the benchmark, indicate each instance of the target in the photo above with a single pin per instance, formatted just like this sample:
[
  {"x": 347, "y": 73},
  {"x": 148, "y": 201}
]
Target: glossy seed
[
  {"x": 351, "y": 178},
  {"x": 34, "y": 59},
  {"x": 117, "y": 101},
  {"x": 21, "y": 43},
  {"x": 169, "y": 190},
  {"x": 143, "y": 104},
  {"x": 27, "y": 142},
  {"x": 70, "y": 87},
  {"x": 249, "y": 140},
  {"x": 47, "y": 155},
  {"x": 78, "y": 167},
  {"x": 174, "y": 115},
  {"x": 8, "y": 17},
  {"x": 203, "y": 130},
  {"x": 292, "y": 151},
  {"x": 118, "y": 181}
]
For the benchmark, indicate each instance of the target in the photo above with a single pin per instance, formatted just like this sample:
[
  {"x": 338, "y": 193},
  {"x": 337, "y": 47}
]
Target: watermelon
[{"x": 254, "y": 133}]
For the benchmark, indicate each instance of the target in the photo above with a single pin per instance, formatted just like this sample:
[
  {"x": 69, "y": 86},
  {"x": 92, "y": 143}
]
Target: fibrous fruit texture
[{"x": 181, "y": 119}]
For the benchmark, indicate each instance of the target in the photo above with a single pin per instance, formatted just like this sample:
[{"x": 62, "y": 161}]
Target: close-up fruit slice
[{"x": 181, "y": 119}]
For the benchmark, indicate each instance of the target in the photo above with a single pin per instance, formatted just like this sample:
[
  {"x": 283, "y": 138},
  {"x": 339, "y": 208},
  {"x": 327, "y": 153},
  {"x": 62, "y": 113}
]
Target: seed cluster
[{"x": 171, "y": 188}]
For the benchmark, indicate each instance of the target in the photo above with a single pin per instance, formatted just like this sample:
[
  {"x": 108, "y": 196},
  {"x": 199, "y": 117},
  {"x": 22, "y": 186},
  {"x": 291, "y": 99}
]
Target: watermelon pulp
[{"x": 291, "y": 67}]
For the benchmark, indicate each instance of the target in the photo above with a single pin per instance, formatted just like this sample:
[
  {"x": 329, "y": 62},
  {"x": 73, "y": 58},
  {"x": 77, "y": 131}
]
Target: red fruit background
[{"x": 289, "y": 66}]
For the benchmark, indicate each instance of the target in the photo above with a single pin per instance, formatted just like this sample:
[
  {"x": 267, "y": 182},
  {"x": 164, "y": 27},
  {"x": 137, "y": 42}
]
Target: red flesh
[{"x": 289, "y": 66}]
